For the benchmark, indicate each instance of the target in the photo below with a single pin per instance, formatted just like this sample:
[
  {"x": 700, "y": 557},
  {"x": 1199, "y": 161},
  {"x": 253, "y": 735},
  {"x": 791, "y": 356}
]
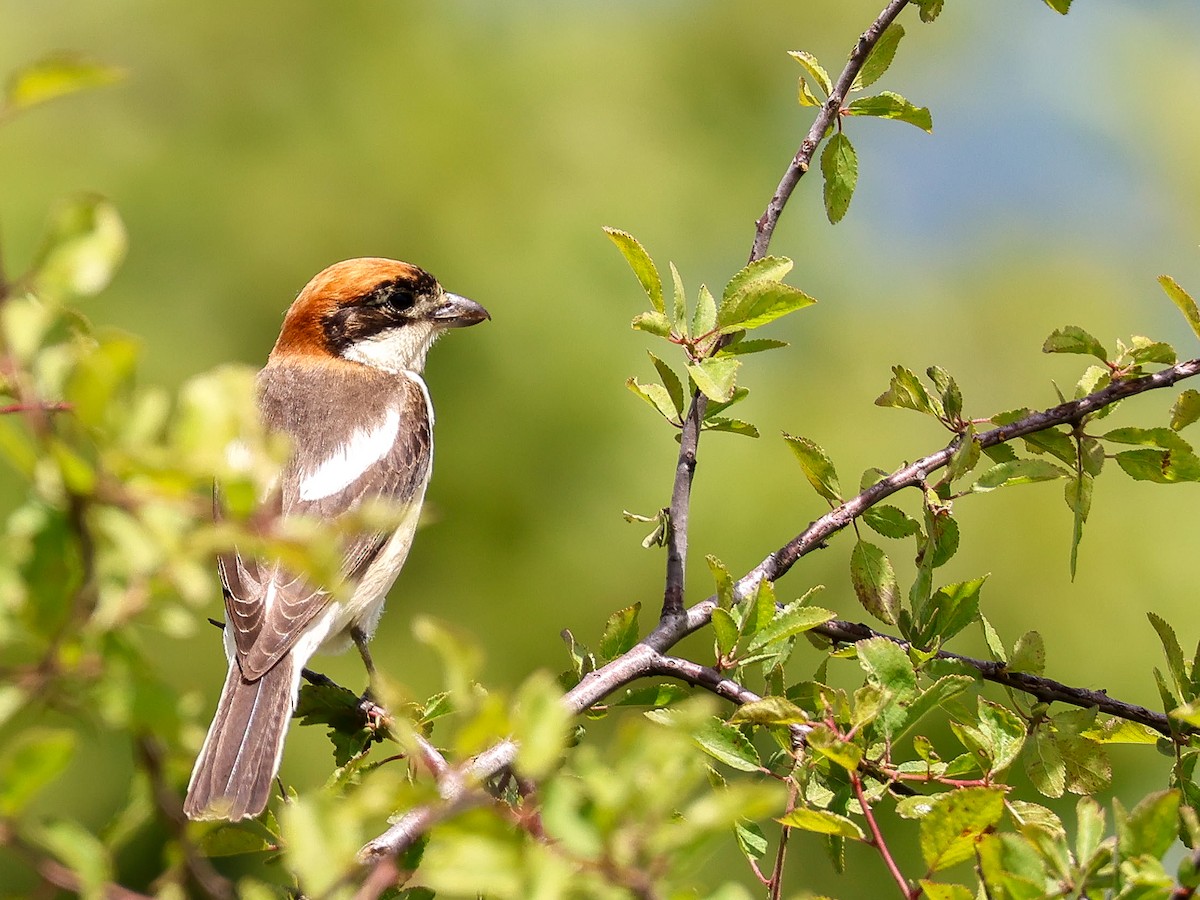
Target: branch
[
  {"x": 649, "y": 656},
  {"x": 689, "y": 439},
  {"x": 765, "y": 226}
]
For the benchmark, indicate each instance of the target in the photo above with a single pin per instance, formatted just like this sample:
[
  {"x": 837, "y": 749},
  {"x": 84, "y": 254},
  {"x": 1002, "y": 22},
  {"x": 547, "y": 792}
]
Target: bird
[{"x": 343, "y": 383}]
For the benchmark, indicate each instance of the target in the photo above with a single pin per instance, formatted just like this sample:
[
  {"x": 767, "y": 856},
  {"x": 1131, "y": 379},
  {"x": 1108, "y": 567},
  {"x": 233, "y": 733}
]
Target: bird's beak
[{"x": 459, "y": 312}]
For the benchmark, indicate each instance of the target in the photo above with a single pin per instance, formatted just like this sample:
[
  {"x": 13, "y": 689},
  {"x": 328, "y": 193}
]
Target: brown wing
[{"x": 267, "y": 606}]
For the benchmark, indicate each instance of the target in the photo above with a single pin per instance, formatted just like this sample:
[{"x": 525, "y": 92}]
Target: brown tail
[{"x": 237, "y": 764}]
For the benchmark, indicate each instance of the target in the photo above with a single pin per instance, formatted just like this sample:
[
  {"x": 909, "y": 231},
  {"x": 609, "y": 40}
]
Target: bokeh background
[{"x": 253, "y": 144}]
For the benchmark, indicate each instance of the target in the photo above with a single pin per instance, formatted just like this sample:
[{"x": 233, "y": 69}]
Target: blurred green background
[{"x": 253, "y": 144}]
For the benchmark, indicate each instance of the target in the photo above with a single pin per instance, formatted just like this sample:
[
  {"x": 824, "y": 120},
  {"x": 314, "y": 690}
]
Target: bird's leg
[{"x": 373, "y": 711}]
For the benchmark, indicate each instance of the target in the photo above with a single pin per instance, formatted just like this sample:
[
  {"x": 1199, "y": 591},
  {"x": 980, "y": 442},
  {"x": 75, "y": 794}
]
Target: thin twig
[
  {"x": 45, "y": 406},
  {"x": 765, "y": 226},
  {"x": 879, "y": 843},
  {"x": 1045, "y": 689}
]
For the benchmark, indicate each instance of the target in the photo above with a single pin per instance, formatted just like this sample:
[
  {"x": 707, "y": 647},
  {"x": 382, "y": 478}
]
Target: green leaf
[
  {"x": 889, "y": 105},
  {"x": 1185, "y": 410},
  {"x": 890, "y": 521},
  {"x": 759, "y": 303},
  {"x": 620, "y": 632},
  {"x": 1073, "y": 339},
  {"x": 1090, "y": 833},
  {"x": 1152, "y": 826},
  {"x": 233, "y": 839},
  {"x": 725, "y": 631},
  {"x": 1019, "y": 471},
  {"x": 704, "y": 317},
  {"x": 652, "y": 322},
  {"x": 1146, "y": 351},
  {"x": 932, "y": 890},
  {"x": 1165, "y": 438},
  {"x": 930, "y": 9},
  {"x": 1029, "y": 654},
  {"x": 992, "y": 639},
  {"x": 839, "y": 166},
  {"x": 1174, "y": 654},
  {"x": 769, "y": 711},
  {"x": 1183, "y": 300},
  {"x": 793, "y": 619},
  {"x": 805, "y": 96},
  {"x": 55, "y": 76},
  {"x": 724, "y": 581},
  {"x": 733, "y": 426},
  {"x": 951, "y": 609},
  {"x": 84, "y": 245},
  {"x": 643, "y": 267},
  {"x": 823, "y": 740},
  {"x": 1044, "y": 764},
  {"x": 758, "y": 345},
  {"x": 822, "y": 821},
  {"x": 341, "y": 710},
  {"x": 879, "y": 58},
  {"x": 1160, "y": 466},
  {"x": 906, "y": 392},
  {"x": 769, "y": 268},
  {"x": 1004, "y": 734},
  {"x": 750, "y": 838},
  {"x": 814, "y": 69},
  {"x": 887, "y": 665},
  {"x": 874, "y": 582},
  {"x": 658, "y": 396},
  {"x": 818, "y": 467},
  {"x": 33, "y": 758},
  {"x": 541, "y": 725},
  {"x": 956, "y": 823},
  {"x": 716, "y": 377},
  {"x": 932, "y": 698},
  {"x": 727, "y": 745},
  {"x": 1059, "y": 6},
  {"x": 671, "y": 381}
]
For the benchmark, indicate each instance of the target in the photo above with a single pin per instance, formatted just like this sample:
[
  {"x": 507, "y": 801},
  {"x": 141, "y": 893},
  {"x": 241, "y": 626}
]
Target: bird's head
[{"x": 378, "y": 312}]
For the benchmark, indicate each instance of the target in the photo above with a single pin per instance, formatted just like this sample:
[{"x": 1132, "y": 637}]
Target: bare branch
[{"x": 765, "y": 226}]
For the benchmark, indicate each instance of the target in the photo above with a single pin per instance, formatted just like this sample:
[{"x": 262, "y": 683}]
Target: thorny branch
[{"x": 460, "y": 788}]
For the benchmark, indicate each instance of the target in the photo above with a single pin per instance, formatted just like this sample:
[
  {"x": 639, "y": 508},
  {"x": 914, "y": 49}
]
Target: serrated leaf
[
  {"x": 844, "y": 753},
  {"x": 1185, "y": 410},
  {"x": 839, "y": 167},
  {"x": 906, "y": 392},
  {"x": 1059, "y": 6},
  {"x": 759, "y": 303},
  {"x": 750, "y": 838},
  {"x": 671, "y": 382},
  {"x": 814, "y": 69},
  {"x": 874, "y": 582},
  {"x": 1019, "y": 471},
  {"x": 1174, "y": 654},
  {"x": 992, "y": 639},
  {"x": 643, "y": 267},
  {"x": 887, "y": 665},
  {"x": 1160, "y": 466},
  {"x": 822, "y": 821},
  {"x": 1073, "y": 339},
  {"x": 55, "y": 76},
  {"x": 658, "y": 396},
  {"x": 704, "y": 317},
  {"x": 727, "y": 745},
  {"x": 1183, "y": 300},
  {"x": 793, "y": 619},
  {"x": 890, "y": 105},
  {"x": 890, "y": 521},
  {"x": 930, "y": 9},
  {"x": 966, "y": 455},
  {"x": 725, "y": 631},
  {"x": 757, "y": 345},
  {"x": 817, "y": 466},
  {"x": 1165, "y": 438},
  {"x": 768, "y": 268},
  {"x": 1004, "y": 733},
  {"x": 805, "y": 96},
  {"x": 951, "y": 829},
  {"x": 724, "y": 581},
  {"x": 716, "y": 377},
  {"x": 1146, "y": 351},
  {"x": 880, "y": 57},
  {"x": 769, "y": 711},
  {"x": 1029, "y": 654},
  {"x": 679, "y": 309},
  {"x": 620, "y": 632},
  {"x": 652, "y": 322},
  {"x": 732, "y": 426},
  {"x": 1044, "y": 765},
  {"x": 949, "y": 610}
]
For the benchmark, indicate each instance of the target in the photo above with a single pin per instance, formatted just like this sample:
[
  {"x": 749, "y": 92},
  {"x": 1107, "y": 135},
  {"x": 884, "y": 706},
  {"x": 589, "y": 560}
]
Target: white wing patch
[{"x": 366, "y": 447}]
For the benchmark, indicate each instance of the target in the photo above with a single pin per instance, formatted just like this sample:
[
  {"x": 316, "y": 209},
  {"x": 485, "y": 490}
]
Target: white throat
[{"x": 396, "y": 350}]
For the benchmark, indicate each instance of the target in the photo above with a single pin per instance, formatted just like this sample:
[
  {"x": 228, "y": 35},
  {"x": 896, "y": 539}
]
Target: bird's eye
[{"x": 399, "y": 298}]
